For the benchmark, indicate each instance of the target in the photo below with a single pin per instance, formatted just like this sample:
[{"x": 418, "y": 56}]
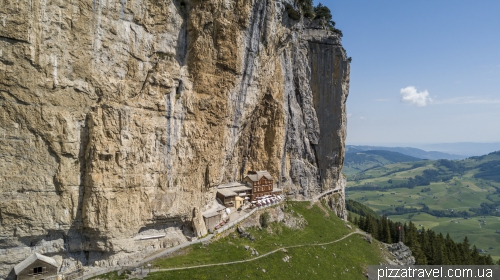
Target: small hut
[
  {"x": 213, "y": 216},
  {"x": 36, "y": 267}
]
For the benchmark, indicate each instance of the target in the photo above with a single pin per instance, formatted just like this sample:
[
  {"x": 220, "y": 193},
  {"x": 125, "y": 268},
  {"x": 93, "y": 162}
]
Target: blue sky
[{"x": 422, "y": 71}]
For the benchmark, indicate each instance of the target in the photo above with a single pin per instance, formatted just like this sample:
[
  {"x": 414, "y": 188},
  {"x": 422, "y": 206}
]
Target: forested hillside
[{"x": 427, "y": 246}]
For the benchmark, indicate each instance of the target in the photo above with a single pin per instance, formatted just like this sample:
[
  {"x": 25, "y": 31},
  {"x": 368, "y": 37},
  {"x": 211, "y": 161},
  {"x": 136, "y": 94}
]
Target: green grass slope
[{"x": 311, "y": 251}]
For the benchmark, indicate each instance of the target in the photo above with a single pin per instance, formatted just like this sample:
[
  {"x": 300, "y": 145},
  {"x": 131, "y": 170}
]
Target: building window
[{"x": 37, "y": 270}]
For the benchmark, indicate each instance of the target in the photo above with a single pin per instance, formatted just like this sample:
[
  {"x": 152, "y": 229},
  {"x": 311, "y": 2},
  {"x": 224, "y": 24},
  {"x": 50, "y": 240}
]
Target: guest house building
[{"x": 261, "y": 182}]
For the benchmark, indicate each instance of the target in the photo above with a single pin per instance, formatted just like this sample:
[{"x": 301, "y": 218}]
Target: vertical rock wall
[{"x": 119, "y": 117}]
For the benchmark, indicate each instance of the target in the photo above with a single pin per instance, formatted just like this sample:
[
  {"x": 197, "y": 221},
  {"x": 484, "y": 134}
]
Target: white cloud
[{"x": 412, "y": 96}]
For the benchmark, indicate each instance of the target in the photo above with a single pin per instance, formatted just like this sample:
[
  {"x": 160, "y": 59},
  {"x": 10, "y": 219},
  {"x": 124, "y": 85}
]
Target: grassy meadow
[{"x": 347, "y": 259}]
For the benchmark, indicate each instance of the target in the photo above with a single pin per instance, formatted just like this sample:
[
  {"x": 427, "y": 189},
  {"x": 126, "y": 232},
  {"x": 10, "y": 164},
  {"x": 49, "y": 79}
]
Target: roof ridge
[{"x": 32, "y": 258}]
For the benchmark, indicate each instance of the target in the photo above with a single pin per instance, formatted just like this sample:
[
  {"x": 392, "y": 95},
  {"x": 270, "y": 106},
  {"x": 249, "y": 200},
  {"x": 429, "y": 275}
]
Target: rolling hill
[
  {"x": 414, "y": 152},
  {"x": 360, "y": 160}
]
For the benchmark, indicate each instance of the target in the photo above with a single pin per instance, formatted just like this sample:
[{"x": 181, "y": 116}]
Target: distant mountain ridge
[
  {"x": 462, "y": 148},
  {"x": 414, "y": 152},
  {"x": 357, "y": 156}
]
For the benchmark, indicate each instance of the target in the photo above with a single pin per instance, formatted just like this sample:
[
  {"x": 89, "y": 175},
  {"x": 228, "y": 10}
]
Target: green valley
[{"x": 461, "y": 197}]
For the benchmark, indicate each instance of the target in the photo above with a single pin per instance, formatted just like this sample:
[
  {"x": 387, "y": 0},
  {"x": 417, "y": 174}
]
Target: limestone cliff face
[{"x": 119, "y": 117}]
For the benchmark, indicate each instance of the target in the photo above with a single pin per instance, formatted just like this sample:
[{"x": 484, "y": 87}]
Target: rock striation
[{"x": 118, "y": 118}]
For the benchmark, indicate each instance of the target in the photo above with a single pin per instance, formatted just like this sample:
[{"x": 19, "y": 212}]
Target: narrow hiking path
[{"x": 357, "y": 231}]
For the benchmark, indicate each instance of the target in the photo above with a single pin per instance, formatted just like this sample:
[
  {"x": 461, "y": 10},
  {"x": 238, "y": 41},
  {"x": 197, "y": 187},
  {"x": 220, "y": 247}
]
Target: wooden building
[
  {"x": 35, "y": 267},
  {"x": 227, "y": 197},
  {"x": 261, "y": 182},
  {"x": 233, "y": 194}
]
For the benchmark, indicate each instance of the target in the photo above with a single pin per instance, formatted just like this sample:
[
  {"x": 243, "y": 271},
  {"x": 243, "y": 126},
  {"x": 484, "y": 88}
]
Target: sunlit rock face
[{"x": 119, "y": 117}]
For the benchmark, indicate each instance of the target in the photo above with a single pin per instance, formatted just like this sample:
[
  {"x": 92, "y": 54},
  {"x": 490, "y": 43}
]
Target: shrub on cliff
[
  {"x": 323, "y": 12},
  {"x": 292, "y": 13},
  {"x": 264, "y": 219},
  {"x": 307, "y": 8}
]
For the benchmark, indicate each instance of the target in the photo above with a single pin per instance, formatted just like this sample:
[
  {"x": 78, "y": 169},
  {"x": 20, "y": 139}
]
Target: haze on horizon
[{"x": 422, "y": 71}]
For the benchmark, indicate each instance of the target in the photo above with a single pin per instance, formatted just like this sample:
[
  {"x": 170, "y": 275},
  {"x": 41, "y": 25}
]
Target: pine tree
[
  {"x": 380, "y": 228},
  {"x": 371, "y": 226},
  {"x": 394, "y": 227},
  {"x": 465, "y": 252},
  {"x": 489, "y": 260},
  {"x": 476, "y": 258},
  {"x": 451, "y": 250},
  {"x": 411, "y": 237},
  {"x": 440, "y": 254},
  {"x": 425, "y": 245},
  {"x": 403, "y": 234},
  {"x": 361, "y": 223},
  {"x": 385, "y": 230},
  {"x": 428, "y": 244},
  {"x": 412, "y": 240}
]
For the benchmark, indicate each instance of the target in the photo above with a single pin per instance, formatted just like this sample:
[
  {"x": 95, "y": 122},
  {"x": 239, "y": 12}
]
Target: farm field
[
  {"x": 357, "y": 160},
  {"x": 442, "y": 196},
  {"x": 397, "y": 172}
]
